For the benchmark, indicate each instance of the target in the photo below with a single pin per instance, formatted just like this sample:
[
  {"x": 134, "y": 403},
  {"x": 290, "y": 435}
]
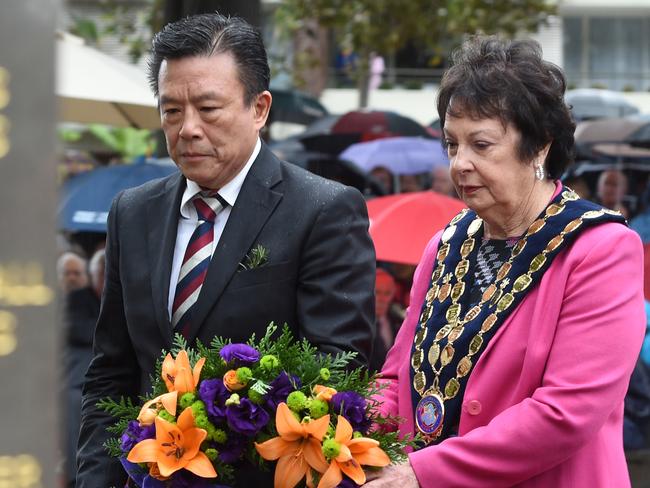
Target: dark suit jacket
[{"x": 319, "y": 279}]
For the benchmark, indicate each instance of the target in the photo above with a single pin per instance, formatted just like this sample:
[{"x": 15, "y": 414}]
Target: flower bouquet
[{"x": 276, "y": 399}]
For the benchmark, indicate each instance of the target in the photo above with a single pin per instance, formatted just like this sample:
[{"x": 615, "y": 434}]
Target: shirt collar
[{"x": 229, "y": 192}]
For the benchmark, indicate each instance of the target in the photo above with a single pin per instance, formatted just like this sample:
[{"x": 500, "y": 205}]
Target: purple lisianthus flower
[
  {"x": 239, "y": 354},
  {"x": 214, "y": 394},
  {"x": 353, "y": 407},
  {"x": 135, "y": 433},
  {"x": 233, "y": 449},
  {"x": 187, "y": 479},
  {"x": 246, "y": 418},
  {"x": 347, "y": 483},
  {"x": 281, "y": 386},
  {"x": 135, "y": 471}
]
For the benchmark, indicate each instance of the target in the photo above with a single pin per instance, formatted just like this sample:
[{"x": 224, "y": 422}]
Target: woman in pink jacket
[{"x": 526, "y": 313}]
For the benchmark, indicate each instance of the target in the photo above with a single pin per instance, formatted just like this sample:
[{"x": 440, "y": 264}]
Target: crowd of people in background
[{"x": 81, "y": 283}]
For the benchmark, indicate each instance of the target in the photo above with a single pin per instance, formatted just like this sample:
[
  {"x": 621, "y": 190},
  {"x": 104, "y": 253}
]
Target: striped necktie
[{"x": 195, "y": 261}]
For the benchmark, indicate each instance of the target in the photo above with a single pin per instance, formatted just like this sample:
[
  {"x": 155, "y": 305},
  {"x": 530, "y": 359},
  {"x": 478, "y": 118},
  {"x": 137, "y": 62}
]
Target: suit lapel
[
  {"x": 255, "y": 203},
  {"x": 163, "y": 211}
]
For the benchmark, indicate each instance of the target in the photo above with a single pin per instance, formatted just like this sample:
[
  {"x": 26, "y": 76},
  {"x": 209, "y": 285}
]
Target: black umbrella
[
  {"x": 359, "y": 126},
  {"x": 296, "y": 107}
]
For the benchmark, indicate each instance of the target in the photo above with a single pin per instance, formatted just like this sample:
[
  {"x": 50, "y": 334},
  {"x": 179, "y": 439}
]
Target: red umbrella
[{"x": 402, "y": 225}]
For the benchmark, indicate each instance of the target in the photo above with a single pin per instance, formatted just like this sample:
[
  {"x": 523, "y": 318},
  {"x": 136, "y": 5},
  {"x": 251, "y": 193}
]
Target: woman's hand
[{"x": 401, "y": 475}]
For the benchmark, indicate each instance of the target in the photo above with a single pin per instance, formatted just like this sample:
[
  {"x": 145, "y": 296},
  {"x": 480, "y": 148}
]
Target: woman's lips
[{"x": 468, "y": 190}]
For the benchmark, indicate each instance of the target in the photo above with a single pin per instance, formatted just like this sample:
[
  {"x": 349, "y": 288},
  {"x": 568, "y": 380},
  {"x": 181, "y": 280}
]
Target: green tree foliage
[
  {"x": 126, "y": 142},
  {"x": 384, "y": 26}
]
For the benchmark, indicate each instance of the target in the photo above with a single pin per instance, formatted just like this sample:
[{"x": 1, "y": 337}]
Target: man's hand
[{"x": 401, "y": 475}]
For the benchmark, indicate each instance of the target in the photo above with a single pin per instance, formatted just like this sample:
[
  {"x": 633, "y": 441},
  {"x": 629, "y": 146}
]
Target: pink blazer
[{"x": 544, "y": 404}]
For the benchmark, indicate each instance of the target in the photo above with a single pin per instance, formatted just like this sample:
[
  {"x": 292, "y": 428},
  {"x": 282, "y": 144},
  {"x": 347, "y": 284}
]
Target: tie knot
[{"x": 208, "y": 206}]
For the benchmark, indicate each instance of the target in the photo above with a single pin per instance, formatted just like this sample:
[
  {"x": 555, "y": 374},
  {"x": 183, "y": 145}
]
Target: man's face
[
  {"x": 74, "y": 276},
  {"x": 611, "y": 188},
  {"x": 210, "y": 130},
  {"x": 384, "y": 294}
]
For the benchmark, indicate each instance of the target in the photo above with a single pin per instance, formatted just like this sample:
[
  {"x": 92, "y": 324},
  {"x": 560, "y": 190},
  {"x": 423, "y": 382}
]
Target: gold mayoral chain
[{"x": 429, "y": 415}]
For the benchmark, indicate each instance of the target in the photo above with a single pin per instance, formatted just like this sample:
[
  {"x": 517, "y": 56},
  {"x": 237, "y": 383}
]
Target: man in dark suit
[{"x": 211, "y": 77}]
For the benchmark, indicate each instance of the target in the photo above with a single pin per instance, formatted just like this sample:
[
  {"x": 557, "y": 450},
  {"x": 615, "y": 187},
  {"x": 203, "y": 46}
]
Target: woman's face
[{"x": 485, "y": 169}]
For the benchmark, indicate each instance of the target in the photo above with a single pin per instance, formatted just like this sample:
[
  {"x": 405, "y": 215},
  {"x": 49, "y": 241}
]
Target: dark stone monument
[{"x": 28, "y": 323}]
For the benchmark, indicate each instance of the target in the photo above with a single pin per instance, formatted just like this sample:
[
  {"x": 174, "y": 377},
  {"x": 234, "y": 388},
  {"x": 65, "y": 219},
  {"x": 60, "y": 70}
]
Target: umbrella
[
  {"x": 590, "y": 103},
  {"x": 86, "y": 198},
  {"x": 343, "y": 172},
  {"x": 93, "y": 87},
  {"x": 359, "y": 126},
  {"x": 611, "y": 130},
  {"x": 624, "y": 137},
  {"x": 296, "y": 107},
  {"x": 401, "y": 155},
  {"x": 375, "y": 124},
  {"x": 402, "y": 225}
]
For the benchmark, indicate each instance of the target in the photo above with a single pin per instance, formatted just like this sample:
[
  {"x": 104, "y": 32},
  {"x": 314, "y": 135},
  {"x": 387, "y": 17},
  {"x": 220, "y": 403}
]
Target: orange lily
[
  {"x": 298, "y": 448},
  {"x": 175, "y": 447},
  {"x": 354, "y": 453},
  {"x": 178, "y": 375},
  {"x": 324, "y": 392},
  {"x": 150, "y": 409}
]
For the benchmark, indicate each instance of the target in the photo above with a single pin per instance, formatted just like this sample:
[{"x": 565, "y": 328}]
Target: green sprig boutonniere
[{"x": 258, "y": 256}]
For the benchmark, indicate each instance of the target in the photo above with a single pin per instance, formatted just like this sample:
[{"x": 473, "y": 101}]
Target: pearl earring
[{"x": 539, "y": 171}]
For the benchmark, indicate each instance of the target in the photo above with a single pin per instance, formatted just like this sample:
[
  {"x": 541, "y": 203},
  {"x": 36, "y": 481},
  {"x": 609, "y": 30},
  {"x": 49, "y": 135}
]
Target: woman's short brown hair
[{"x": 509, "y": 80}]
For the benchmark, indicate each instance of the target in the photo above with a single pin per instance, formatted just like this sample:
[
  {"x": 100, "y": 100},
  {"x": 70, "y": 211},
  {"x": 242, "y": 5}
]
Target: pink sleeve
[
  {"x": 404, "y": 340},
  {"x": 596, "y": 343}
]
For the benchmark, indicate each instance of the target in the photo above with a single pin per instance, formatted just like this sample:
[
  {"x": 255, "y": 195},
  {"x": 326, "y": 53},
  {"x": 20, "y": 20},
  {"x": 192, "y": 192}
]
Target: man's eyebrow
[{"x": 206, "y": 96}]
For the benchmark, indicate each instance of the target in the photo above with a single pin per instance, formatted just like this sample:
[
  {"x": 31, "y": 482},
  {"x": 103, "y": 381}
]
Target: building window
[{"x": 607, "y": 52}]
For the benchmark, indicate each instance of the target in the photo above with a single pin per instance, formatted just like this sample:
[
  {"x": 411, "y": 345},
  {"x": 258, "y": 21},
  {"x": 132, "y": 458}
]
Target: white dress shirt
[{"x": 188, "y": 221}]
